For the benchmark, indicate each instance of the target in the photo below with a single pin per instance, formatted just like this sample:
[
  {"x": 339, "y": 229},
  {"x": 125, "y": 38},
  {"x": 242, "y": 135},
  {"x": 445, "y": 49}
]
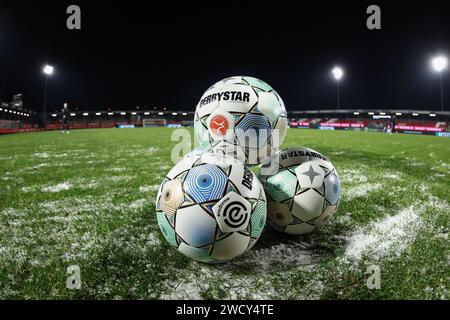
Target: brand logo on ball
[
  {"x": 235, "y": 214},
  {"x": 219, "y": 125},
  {"x": 235, "y": 96},
  {"x": 232, "y": 213}
]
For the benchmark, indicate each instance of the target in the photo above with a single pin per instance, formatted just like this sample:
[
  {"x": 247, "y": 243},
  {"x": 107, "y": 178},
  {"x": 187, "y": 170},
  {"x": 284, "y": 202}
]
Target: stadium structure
[{"x": 15, "y": 118}]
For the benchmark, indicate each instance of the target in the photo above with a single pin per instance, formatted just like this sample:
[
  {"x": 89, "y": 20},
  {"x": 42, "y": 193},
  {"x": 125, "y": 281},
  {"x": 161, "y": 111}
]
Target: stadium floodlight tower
[
  {"x": 48, "y": 71},
  {"x": 338, "y": 73},
  {"x": 439, "y": 64}
]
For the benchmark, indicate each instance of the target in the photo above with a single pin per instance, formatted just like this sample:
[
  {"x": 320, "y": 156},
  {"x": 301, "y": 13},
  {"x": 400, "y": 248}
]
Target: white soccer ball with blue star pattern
[
  {"x": 212, "y": 208},
  {"x": 243, "y": 117},
  {"x": 303, "y": 192}
]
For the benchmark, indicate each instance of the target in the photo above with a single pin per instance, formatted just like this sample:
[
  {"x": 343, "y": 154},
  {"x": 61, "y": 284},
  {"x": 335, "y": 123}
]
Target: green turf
[{"x": 87, "y": 199}]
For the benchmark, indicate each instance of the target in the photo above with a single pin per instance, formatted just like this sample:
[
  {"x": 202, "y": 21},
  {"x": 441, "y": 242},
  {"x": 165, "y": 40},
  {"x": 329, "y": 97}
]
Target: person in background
[
  {"x": 393, "y": 123},
  {"x": 65, "y": 118}
]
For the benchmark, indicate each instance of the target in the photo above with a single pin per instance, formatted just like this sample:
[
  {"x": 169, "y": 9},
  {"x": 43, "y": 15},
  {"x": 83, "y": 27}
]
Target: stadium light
[
  {"x": 398, "y": 113},
  {"x": 1, "y": 109},
  {"x": 371, "y": 113},
  {"x": 146, "y": 113},
  {"x": 439, "y": 64},
  {"x": 133, "y": 113},
  {"x": 356, "y": 113},
  {"x": 432, "y": 115},
  {"x": 382, "y": 113},
  {"x": 48, "y": 71},
  {"x": 98, "y": 114},
  {"x": 160, "y": 113},
  {"x": 184, "y": 113},
  {"x": 110, "y": 113},
  {"x": 85, "y": 114},
  {"x": 72, "y": 114},
  {"x": 123, "y": 113},
  {"x": 415, "y": 114},
  {"x": 174, "y": 113},
  {"x": 54, "y": 115},
  {"x": 338, "y": 73}
]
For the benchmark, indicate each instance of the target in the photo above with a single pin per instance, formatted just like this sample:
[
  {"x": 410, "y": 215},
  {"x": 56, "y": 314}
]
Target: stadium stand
[
  {"x": 14, "y": 118},
  {"x": 404, "y": 121},
  {"x": 122, "y": 118}
]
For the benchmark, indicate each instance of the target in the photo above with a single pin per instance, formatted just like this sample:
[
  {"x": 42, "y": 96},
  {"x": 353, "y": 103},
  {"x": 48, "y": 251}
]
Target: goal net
[{"x": 154, "y": 122}]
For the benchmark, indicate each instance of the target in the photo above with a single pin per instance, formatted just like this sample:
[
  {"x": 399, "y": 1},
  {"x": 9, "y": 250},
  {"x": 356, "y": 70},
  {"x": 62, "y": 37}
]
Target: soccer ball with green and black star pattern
[{"x": 302, "y": 193}]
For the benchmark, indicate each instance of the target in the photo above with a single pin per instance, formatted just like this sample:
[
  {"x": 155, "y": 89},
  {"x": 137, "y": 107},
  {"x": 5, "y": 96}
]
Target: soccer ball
[
  {"x": 242, "y": 117},
  {"x": 196, "y": 152},
  {"x": 304, "y": 192},
  {"x": 211, "y": 208}
]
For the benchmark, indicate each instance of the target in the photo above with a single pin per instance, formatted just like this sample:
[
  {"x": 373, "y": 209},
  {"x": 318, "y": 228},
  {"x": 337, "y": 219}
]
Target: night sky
[{"x": 129, "y": 54}]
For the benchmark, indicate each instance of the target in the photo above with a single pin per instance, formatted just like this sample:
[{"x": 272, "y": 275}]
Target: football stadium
[
  {"x": 88, "y": 199},
  {"x": 94, "y": 206}
]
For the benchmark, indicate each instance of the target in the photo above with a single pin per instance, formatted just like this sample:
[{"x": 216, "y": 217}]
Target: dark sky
[{"x": 129, "y": 53}]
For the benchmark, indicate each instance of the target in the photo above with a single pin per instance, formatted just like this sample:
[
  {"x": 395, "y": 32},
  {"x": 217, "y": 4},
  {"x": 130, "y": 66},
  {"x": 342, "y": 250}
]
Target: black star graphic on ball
[{"x": 311, "y": 173}]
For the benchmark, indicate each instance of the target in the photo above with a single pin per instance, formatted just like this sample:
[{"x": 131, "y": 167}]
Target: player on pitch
[{"x": 65, "y": 118}]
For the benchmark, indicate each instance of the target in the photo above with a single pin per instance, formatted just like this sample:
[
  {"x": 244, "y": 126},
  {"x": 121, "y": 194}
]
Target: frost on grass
[
  {"x": 152, "y": 240},
  {"x": 69, "y": 226},
  {"x": 146, "y": 189},
  {"x": 198, "y": 280},
  {"x": 280, "y": 256},
  {"x": 83, "y": 184},
  {"x": 138, "y": 204},
  {"x": 112, "y": 224},
  {"x": 88, "y": 184},
  {"x": 44, "y": 155},
  {"x": 123, "y": 178},
  {"x": 388, "y": 237},
  {"x": 41, "y": 155},
  {"x": 264, "y": 276},
  {"x": 360, "y": 190},
  {"x": 116, "y": 169},
  {"x": 57, "y": 188},
  {"x": 151, "y": 150},
  {"x": 392, "y": 175},
  {"x": 352, "y": 176},
  {"x": 38, "y": 166}
]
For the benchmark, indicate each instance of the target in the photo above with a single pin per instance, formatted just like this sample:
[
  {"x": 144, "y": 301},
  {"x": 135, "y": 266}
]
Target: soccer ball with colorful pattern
[
  {"x": 242, "y": 117},
  {"x": 303, "y": 193},
  {"x": 212, "y": 208}
]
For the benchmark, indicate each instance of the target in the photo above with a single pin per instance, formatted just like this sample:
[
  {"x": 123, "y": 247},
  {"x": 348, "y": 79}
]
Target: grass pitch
[{"x": 88, "y": 199}]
